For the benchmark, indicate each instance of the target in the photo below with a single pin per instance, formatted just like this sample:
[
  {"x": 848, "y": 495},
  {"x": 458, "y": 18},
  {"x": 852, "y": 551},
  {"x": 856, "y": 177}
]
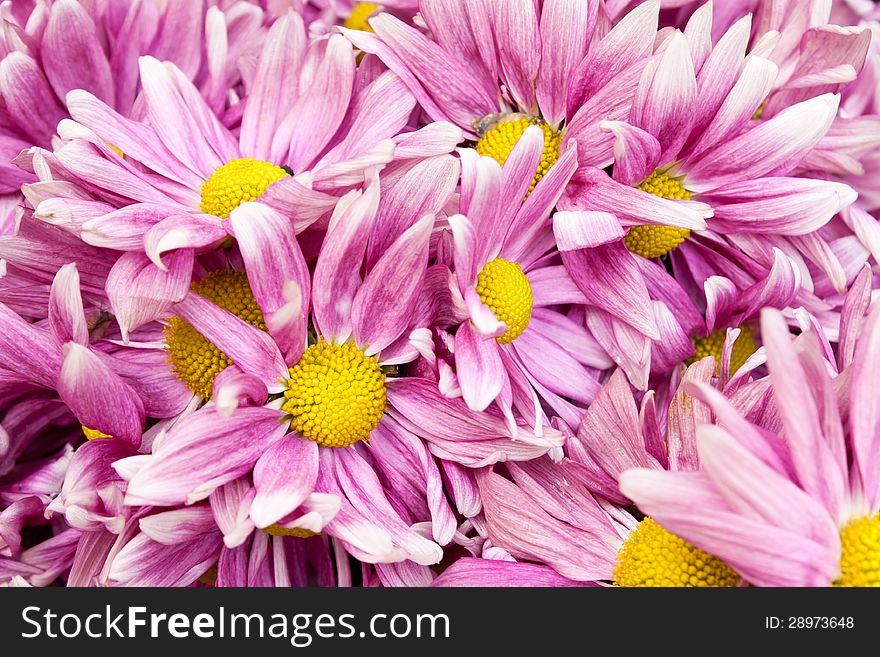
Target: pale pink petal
[
  {"x": 393, "y": 285},
  {"x": 140, "y": 292},
  {"x": 99, "y": 397},
  {"x": 66, "y": 316},
  {"x": 72, "y": 54},
  {"x": 260, "y": 230},
  {"x": 664, "y": 104},
  {"x": 203, "y": 451},
  {"x": 478, "y": 366},
  {"x": 283, "y": 477}
]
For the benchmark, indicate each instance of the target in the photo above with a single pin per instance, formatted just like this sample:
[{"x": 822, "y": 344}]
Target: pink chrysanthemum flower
[
  {"x": 690, "y": 153},
  {"x": 511, "y": 344},
  {"x": 495, "y": 68},
  {"x": 119, "y": 545},
  {"x": 183, "y": 172},
  {"x": 50, "y": 48},
  {"x": 545, "y": 513},
  {"x": 301, "y": 399},
  {"x": 792, "y": 497}
]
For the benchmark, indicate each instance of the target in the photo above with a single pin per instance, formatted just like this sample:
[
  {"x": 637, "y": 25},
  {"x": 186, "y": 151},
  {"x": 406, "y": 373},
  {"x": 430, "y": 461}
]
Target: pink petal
[
  {"x": 568, "y": 26},
  {"x": 275, "y": 86},
  {"x": 664, "y": 103},
  {"x": 99, "y": 397},
  {"x": 66, "y": 316},
  {"x": 140, "y": 292},
  {"x": 260, "y": 230},
  {"x": 283, "y": 477},
  {"x": 72, "y": 54},
  {"x": 479, "y": 368},
  {"x": 203, "y": 451},
  {"x": 337, "y": 273},
  {"x": 383, "y": 306}
]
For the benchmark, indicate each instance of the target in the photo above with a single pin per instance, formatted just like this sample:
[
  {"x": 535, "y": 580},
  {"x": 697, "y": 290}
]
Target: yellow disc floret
[
  {"x": 713, "y": 344},
  {"x": 498, "y": 141},
  {"x": 335, "y": 394},
  {"x": 237, "y": 182},
  {"x": 650, "y": 241},
  {"x": 93, "y": 434},
  {"x": 504, "y": 288},
  {"x": 860, "y": 552},
  {"x": 652, "y": 556},
  {"x": 194, "y": 359},
  {"x": 298, "y": 532},
  {"x": 357, "y": 19}
]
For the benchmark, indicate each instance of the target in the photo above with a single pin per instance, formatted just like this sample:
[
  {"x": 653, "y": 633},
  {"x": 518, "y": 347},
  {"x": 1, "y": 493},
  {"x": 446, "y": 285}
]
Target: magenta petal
[
  {"x": 29, "y": 100},
  {"x": 383, "y": 306},
  {"x": 233, "y": 388},
  {"x": 250, "y": 348},
  {"x": 664, "y": 103},
  {"x": 140, "y": 292},
  {"x": 283, "y": 476},
  {"x": 179, "y": 525},
  {"x": 458, "y": 433},
  {"x": 519, "y": 48},
  {"x": 566, "y": 27},
  {"x": 269, "y": 100},
  {"x": 66, "y": 317},
  {"x": 99, "y": 397},
  {"x": 72, "y": 54},
  {"x": 611, "y": 431},
  {"x": 636, "y": 152},
  {"x": 610, "y": 279},
  {"x": 203, "y": 451},
  {"x": 469, "y": 572},
  {"x": 260, "y": 230},
  {"x": 28, "y": 350},
  {"x": 479, "y": 368},
  {"x": 181, "y": 231}
]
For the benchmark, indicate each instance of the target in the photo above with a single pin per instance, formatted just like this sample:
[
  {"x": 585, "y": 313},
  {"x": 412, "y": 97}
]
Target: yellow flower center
[
  {"x": 93, "y": 434},
  {"x": 860, "y": 552},
  {"x": 498, "y": 141},
  {"x": 712, "y": 345},
  {"x": 504, "y": 288},
  {"x": 651, "y": 241},
  {"x": 357, "y": 19},
  {"x": 194, "y": 359},
  {"x": 652, "y": 556},
  {"x": 298, "y": 532},
  {"x": 335, "y": 394},
  {"x": 237, "y": 182}
]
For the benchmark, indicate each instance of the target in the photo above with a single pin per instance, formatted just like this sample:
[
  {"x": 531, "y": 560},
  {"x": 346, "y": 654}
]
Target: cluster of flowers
[{"x": 439, "y": 292}]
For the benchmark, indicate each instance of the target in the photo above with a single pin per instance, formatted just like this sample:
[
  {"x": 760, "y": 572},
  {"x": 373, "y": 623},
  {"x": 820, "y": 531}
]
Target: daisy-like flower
[
  {"x": 511, "y": 344},
  {"x": 496, "y": 68},
  {"x": 183, "y": 172},
  {"x": 689, "y": 153},
  {"x": 545, "y": 513},
  {"x": 317, "y": 404},
  {"x": 790, "y": 498},
  {"x": 50, "y": 48}
]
